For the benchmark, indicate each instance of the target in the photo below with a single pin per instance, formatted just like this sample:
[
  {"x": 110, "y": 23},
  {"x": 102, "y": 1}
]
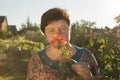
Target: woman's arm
[
  {"x": 87, "y": 66},
  {"x": 89, "y": 58}
]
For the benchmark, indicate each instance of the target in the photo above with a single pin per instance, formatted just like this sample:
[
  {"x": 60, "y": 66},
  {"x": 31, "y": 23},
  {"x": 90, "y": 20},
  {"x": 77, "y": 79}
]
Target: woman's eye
[
  {"x": 63, "y": 28},
  {"x": 51, "y": 30}
]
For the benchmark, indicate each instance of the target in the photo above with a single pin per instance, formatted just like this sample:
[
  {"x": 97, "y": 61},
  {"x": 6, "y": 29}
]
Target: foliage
[
  {"x": 32, "y": 32},
  {"x": 109, "y": 54},
  {"x": 104, "y": 43},
  {"x": 28, "y": 26},
  {"x": 5, "y": 35},
  {"x": 81, "y": 32},
  {"x": 117, "y": 19},
  {"x": 22, "y": 43},
  {"x": 67, "y": 71},
  {"x": 17, "y": 52}
]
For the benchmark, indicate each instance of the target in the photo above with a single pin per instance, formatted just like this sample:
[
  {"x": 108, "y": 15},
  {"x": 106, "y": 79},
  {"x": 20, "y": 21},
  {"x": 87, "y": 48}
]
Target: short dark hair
[{"x": 52, "y": 15}]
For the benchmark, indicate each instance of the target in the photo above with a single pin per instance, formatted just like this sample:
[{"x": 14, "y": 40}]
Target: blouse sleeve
[
  {"x": 34, "y": 68},
  {"x": 90, "y": 59}
]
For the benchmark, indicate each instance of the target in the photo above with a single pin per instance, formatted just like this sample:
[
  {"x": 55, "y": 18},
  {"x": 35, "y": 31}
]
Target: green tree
[
  {"x": 104, "y": 43},
  {"x": 28, "y": 26},
  {"x": 32, "y": 32},
  {"x": 117, "y": 19},
  {"x": 80, "y": 32}
]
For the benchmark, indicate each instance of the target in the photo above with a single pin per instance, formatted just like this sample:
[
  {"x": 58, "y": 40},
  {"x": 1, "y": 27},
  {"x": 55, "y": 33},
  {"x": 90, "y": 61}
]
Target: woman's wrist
[{"x": 89, "y": 77}]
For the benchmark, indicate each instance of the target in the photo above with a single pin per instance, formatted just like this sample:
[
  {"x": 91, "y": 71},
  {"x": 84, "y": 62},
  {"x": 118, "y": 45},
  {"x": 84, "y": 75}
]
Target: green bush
[
  {"x": 105, "y": 44},
  {"x": 17, "y": 53}
]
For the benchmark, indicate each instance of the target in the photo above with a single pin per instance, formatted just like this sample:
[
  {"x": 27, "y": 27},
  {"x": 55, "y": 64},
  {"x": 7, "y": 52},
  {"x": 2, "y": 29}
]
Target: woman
[{"x": 45, "y": 64}]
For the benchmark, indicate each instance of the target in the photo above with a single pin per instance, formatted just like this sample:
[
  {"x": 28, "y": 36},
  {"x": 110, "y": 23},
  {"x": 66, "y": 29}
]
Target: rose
[{"x": 59, "y": 41}]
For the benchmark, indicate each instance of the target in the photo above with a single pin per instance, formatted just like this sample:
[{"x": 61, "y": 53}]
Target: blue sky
[{"x": 100, "y": 11}]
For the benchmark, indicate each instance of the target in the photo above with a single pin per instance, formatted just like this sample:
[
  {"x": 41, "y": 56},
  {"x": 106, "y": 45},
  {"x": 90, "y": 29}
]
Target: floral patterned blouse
[{"x": 41, "y": 67}]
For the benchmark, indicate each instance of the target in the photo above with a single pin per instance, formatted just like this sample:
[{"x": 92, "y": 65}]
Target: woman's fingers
[{"x": 82, "y": 69}]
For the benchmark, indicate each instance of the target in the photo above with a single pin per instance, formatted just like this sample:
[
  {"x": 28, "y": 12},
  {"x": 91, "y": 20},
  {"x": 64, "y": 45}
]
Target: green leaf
[
  {"x": 66, "y": 52},
  {"x": 101, "y": 40},
  {"x": 102, "y": 46},
  {"x": 91, "y": 42}
]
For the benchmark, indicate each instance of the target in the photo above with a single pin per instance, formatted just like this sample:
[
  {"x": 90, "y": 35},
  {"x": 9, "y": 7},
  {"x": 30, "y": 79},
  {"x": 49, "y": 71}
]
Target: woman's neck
[{"x": 56, "y": 54}]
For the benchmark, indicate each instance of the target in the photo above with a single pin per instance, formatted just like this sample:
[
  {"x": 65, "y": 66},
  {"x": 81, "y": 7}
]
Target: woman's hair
[{"x": 53, "y": 15}]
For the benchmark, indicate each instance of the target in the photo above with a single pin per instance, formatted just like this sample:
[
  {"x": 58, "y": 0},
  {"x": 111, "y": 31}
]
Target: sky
[{"x": 102, "y": 12}]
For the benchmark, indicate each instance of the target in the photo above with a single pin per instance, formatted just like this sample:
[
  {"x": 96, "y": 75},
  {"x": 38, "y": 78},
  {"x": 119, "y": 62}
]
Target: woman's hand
[{"x": 82, "y": 69}]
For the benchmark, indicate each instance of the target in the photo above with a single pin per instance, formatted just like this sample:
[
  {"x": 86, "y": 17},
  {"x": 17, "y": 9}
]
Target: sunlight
[{"x": 114, "y": 4}]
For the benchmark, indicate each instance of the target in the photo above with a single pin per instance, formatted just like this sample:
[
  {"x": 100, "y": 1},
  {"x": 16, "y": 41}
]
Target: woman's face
[{"x": 57, "y": 27}]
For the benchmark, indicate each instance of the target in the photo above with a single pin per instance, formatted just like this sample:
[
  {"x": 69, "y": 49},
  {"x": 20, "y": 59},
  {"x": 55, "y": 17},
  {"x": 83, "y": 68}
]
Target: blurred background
[{"x": 95, "y": 25}]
